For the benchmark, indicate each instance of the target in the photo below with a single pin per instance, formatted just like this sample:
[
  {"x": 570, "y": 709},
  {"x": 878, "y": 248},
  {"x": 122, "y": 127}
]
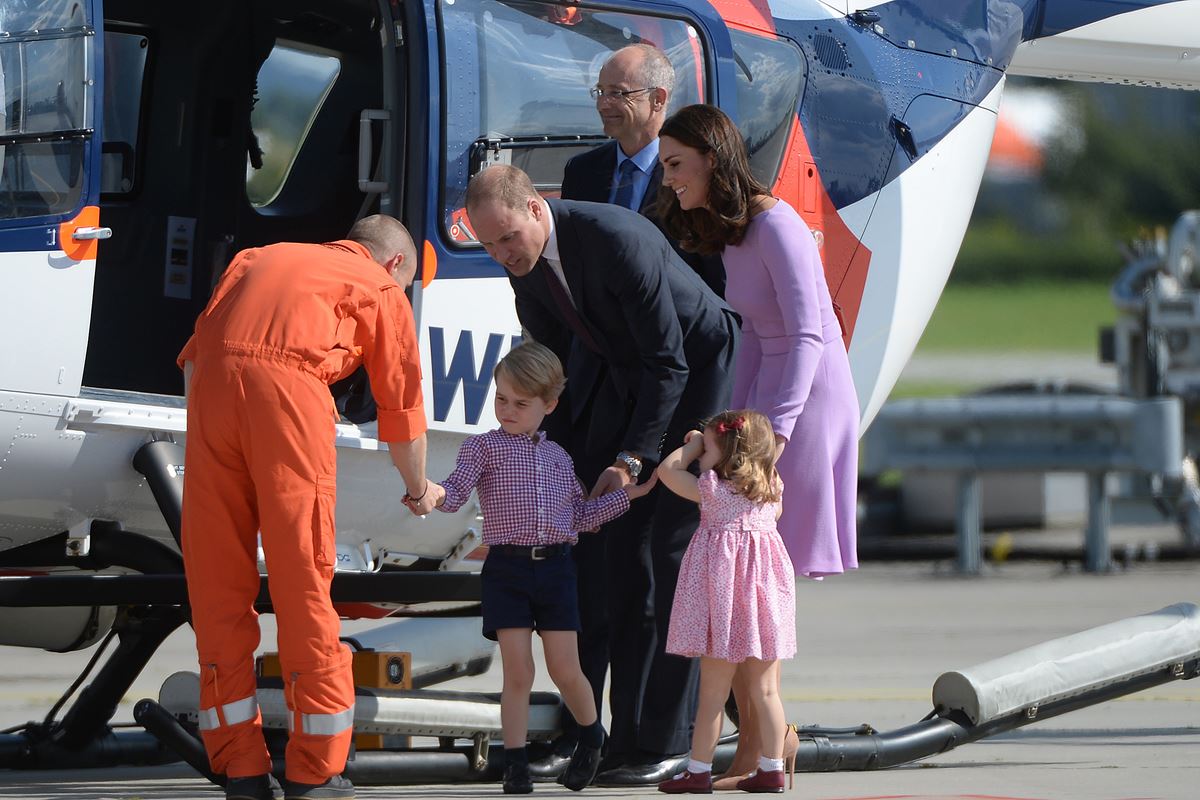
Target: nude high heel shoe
[{"x": 791, "y": 746}]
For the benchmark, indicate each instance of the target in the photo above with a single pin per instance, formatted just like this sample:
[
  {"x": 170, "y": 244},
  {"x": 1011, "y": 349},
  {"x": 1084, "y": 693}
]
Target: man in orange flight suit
[{"x": 284, "y": 322}]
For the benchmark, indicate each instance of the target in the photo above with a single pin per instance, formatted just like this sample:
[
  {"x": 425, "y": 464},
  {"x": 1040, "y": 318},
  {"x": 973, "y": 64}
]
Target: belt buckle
[{"x": 534, "y": 555}]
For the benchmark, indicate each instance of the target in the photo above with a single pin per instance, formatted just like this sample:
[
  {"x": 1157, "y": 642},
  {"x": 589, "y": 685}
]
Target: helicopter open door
[{"x": 49, "y": 185}]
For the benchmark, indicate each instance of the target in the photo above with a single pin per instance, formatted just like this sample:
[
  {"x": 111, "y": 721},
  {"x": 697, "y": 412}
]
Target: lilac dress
[
  {"x": 793, "y": 367},
  {"x": 736, "y": 596}
]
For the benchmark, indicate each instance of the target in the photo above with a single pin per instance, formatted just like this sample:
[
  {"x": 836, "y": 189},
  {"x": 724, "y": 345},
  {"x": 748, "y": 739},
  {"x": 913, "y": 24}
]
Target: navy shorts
[{"x": 519, "y": 592}]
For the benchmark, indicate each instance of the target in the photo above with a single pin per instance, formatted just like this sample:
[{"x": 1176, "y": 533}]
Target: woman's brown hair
[
  {"x": 732, "y": 187},
  {"x": 747, "y": 443}
]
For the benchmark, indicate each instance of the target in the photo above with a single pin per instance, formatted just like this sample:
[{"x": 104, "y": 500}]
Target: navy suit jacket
[
  {"x": 655, "y": 323},
  {"x": 588, "y": 176}
]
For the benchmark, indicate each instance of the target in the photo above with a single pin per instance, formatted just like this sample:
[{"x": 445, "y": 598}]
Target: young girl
[{"x": 735, "y": 602}]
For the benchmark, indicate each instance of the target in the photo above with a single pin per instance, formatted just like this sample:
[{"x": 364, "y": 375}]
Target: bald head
[
  {"x": 389, "y": 244},
  {"x": 637, "y": 82},
  {"x": 648, "y": 65}
]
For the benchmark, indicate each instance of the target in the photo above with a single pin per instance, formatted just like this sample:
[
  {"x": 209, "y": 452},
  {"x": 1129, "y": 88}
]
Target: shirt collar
[
  {"x": 644, "y": 158},
  {"x": 550, "y": 251},
  {"x": 536, "y": 438}
]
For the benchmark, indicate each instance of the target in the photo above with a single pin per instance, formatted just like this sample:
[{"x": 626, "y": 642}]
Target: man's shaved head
[{"x": 385, "y": 237}]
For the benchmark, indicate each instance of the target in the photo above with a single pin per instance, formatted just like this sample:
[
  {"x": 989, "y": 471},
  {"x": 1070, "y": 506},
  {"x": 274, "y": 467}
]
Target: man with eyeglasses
[
  {"x": 632, "y": 95},
  {"x": 652, "y": 695}
]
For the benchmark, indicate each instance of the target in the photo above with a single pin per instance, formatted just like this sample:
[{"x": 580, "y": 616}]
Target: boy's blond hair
[{"x": 534, "y": 370}]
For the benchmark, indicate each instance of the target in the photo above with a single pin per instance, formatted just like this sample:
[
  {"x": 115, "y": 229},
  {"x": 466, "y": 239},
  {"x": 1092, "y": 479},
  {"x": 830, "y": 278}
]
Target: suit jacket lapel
[
  {"x": 651, "y": 196},
  {"x": 603, "y": 176},
  {"x": 573, "y": 265}
]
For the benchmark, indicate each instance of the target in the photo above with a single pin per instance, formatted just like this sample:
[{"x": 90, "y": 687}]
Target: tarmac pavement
[{"x": 872, "y": 644}]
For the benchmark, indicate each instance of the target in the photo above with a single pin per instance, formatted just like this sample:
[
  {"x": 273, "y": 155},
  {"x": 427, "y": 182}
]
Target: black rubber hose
[
  {"x": 820, "y": 753},
  {"x": 158, "y": 721},
  {"x": 160, "y": 462}
]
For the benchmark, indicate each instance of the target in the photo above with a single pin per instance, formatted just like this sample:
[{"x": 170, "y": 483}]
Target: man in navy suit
[
  {"x": 632, "y": 96},
  {"x": 649, "y": 353}
]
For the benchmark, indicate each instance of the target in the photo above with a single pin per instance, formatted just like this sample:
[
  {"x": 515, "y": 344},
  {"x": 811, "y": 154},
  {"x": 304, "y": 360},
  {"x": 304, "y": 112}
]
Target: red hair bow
[{"x": 734, "y": 424}]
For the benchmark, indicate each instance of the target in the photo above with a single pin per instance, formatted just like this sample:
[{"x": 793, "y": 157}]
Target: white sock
[
  {"x": 769, "y": 764},
  {"x": 699, "y": 767}
]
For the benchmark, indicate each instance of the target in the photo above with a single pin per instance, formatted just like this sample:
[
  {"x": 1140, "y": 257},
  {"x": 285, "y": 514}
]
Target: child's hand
[{"x": 636, "y": 490}]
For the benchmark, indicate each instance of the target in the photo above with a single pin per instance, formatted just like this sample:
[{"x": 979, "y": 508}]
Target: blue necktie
[{"x": 624, "y": 195}]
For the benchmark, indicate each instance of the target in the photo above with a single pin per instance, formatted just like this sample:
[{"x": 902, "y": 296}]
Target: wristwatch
[{"x": 631, "y": 462}]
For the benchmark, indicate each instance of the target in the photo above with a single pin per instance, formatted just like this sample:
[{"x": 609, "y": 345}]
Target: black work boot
[
  {"x": 336, "y": 788},
  {"x": 253, "y": 787},
  {"x": 517, "y": 779}
]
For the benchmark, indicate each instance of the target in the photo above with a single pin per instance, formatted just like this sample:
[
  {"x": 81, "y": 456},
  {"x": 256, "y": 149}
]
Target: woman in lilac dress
[{"x": 792, "y": 365}]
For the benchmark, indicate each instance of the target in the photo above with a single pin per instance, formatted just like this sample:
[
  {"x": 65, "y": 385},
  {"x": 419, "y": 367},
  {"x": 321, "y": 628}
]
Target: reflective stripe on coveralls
[
  {"x": 235, "y": 713},
  {"x": 323, "y": 724}
]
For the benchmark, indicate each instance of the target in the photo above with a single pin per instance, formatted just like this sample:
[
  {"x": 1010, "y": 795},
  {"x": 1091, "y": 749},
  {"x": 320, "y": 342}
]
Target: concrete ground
[{"x": 872, "y": 644}]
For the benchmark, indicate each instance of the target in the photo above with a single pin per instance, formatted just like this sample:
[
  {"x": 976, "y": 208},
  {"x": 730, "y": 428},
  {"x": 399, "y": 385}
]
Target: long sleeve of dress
[
  {"x": 745, "y": 368},
  {"x": 792, "y": 261}
]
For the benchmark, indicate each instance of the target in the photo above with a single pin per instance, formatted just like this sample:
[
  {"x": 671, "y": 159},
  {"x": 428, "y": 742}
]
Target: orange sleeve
[
  {"x": 394, "y": 367},
  {"x": 188, "y": 353}
]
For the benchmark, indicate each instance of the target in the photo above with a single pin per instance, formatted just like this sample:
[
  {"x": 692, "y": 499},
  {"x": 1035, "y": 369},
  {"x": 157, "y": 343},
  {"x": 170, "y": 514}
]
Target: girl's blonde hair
[{"x": 747, "y": 444}]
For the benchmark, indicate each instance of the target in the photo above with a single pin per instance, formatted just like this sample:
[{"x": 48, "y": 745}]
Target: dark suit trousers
[{"x": 627, "y": 576}]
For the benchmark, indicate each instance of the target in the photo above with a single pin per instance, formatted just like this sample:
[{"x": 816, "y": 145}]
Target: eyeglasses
[{"x": 616, "y": 94}]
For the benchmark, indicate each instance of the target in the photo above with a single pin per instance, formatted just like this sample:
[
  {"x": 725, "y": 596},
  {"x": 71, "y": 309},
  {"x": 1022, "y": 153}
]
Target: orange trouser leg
[
  {"x": 220, "y": 523},
  {"x": 289, "y": 419}
]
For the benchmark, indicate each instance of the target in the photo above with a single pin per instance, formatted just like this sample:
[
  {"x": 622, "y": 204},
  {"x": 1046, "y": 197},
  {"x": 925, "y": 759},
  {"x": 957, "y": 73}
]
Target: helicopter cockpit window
[
  {"x": 770, "y": 82},
  {"x": 45, "y": 108},
  {"x": 292, "y": 86},
  {"x": 517, "y": 76}
]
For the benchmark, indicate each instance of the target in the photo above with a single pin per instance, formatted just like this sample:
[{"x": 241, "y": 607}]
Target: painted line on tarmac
[
  {"x": 953, "y": 797},
  {"x": 882, "y": 695}
]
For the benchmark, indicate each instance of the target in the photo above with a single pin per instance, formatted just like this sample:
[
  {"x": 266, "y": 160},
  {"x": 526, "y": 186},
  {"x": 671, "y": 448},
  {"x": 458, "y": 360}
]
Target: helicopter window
[
  {"x": 124, "y": 75},
  {"x": 770, "y": 82},
  {"x": 45, "y": 121},
  {"x": 292, "y": 86},
  {"x": 21, "y": 16},
  {"x": 517, "y": 86}
]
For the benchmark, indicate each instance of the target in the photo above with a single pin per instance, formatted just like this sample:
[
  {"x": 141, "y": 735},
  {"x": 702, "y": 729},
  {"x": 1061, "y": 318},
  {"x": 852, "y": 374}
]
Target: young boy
[{"x": 533, "y": 507}]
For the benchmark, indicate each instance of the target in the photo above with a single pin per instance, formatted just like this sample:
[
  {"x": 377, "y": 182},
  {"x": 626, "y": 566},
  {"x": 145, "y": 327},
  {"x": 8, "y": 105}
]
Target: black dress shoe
[
  {"x": 642, "y": 774},
  {"x": 516, "y": 779},
  {"x": 582, "y": 769},
  {"x": 549, "y": 767}
]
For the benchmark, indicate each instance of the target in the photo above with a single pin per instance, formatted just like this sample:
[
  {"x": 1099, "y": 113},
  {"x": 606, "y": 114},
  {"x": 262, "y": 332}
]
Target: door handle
[{"x": 83, "y": 234}]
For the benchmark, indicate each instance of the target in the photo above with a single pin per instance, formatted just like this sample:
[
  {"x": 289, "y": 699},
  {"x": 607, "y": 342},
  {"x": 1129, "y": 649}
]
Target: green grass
[{"x": 989, "y": 318}]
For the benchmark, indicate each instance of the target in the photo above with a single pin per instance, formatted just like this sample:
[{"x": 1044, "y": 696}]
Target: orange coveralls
[{"x": 284, "y": 322}]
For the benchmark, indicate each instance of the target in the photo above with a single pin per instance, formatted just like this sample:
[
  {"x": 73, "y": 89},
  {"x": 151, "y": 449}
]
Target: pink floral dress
[{"x": 736, "y": 596}]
